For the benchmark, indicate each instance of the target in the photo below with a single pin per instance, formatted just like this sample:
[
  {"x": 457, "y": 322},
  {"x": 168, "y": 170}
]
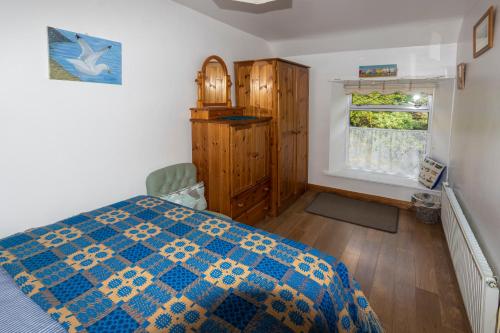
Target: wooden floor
[{"x": 408, "y": 276}]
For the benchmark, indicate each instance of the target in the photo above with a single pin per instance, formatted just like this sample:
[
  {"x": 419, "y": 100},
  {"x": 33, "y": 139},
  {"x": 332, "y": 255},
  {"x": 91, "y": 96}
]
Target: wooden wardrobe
[{"x": 279, "y": 89}]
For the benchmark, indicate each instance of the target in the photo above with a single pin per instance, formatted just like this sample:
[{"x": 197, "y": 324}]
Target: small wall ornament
[{"x": 461, "y": 76}]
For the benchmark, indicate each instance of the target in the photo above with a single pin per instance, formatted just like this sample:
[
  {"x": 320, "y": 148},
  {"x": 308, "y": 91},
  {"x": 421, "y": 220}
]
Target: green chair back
[{"x": 170, "y": 179}]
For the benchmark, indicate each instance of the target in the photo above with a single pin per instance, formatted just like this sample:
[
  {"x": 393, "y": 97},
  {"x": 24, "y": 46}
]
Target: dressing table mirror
[
  {"x": 214, "y": 83},
  {"x": 214, "y": 91}
]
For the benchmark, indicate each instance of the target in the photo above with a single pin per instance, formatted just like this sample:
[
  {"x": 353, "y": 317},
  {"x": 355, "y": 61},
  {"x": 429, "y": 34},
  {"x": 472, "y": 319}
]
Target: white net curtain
[{"x": 394, "y": 152}]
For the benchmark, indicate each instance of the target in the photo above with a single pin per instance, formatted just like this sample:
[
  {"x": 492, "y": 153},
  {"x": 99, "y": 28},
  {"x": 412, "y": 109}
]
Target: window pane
[
  {"x": 397, "y": 98},
  {"x": 389, "y": 120},
  {"x": 388, "y": 151}
]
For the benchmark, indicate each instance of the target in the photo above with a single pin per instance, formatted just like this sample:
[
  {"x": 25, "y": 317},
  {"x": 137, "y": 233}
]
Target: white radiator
[{"x": 476, "y": 280}]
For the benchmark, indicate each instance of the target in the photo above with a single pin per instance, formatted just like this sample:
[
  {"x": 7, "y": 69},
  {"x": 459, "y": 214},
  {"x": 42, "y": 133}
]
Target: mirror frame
[{"x": 200, "y": 80}]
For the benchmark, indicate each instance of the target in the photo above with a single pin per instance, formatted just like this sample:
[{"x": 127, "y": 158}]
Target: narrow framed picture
[
  {"x": 483, "y": 33},
  {"x": 378, "y": 70},
  {"x": 461, "y": 76}
]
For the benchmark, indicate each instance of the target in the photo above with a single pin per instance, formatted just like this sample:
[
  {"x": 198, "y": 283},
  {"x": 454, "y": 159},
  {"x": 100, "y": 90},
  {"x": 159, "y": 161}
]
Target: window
[{"x": 388, "y": 133}]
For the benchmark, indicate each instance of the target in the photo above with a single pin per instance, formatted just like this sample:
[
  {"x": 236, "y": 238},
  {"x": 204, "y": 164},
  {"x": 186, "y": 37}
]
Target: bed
[{"x": 147, "y": 265}]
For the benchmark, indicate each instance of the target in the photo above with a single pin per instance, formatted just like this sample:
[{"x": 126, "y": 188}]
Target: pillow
[
  {"x": 191, "y": 196},
  {"x": 430, "y": 172}
]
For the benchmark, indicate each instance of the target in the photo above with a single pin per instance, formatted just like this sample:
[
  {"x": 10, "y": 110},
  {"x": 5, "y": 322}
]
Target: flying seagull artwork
[
  {"x": 86, "y": 62},
  {"x": 78, "y": 57}
]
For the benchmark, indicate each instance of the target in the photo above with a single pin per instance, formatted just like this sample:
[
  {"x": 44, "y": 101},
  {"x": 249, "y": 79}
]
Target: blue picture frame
[{"x": 79, "y": 57}]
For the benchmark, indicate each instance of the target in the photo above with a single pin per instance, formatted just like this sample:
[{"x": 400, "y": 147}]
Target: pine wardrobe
[{"x": 279, "y": 89}]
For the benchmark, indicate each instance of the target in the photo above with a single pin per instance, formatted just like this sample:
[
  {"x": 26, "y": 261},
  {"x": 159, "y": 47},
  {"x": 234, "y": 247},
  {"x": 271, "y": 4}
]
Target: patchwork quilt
[{"x": 147, "y": 265}]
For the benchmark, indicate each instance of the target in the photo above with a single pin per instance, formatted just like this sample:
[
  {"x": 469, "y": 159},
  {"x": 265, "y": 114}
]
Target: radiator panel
[{"x": 475, "y": 277}]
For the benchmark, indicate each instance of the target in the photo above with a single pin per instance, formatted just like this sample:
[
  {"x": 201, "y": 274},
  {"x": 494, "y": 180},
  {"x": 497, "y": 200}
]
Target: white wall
[
  {"x": 67, "y": 147},
  {"x": 419, "y": 33},
  {"x": 475, "y": 153},
  {"x": 327, "y": 105}
]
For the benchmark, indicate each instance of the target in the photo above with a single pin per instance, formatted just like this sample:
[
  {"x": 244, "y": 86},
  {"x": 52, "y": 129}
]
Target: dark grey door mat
[{"x": 367, "y": 214}]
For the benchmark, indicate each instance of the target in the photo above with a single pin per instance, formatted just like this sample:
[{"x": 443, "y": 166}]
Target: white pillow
[
  {"x": 430, "y": 172},
  {"x": 191, "y": 196}
]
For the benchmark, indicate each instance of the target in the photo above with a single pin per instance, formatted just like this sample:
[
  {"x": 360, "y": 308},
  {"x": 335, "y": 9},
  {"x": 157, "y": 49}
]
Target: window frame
[{"x": 388, "y": 108}]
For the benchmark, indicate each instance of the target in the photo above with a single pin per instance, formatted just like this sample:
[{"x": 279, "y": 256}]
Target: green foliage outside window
[
  {"x": 390, "y": 120},
  {"x": 397, "y": 98},
  {"x": 386, "y": 119}
]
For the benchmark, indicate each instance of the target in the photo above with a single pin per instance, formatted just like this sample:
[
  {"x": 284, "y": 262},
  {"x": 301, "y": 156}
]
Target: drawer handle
[{"x": 241, "y": 204}]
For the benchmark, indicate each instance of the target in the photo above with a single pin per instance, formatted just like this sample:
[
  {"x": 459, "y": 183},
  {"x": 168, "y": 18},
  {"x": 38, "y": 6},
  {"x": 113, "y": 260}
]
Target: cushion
[
  {"x": 430, "y": 172},
  {"x": 191, "y": 196}
]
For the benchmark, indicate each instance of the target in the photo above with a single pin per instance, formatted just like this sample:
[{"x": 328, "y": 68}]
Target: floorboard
[{"x": 408, "y": 277}]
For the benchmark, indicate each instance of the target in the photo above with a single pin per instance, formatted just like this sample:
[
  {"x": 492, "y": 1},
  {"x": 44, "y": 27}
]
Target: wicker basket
[{"x": 427, "y": 207}]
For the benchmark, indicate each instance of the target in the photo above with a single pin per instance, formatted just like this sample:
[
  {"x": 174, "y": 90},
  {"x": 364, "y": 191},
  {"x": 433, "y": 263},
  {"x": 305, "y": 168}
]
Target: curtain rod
[{"x": 405, "y": 79}]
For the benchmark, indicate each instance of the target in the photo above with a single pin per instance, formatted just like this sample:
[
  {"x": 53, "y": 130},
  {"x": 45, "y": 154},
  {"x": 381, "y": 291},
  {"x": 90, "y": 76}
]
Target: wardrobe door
[
  {"x": 286, "y": 133},
  {"x": 242, "y": 88},
  {"x": 301, "y": 127},
  {"x": 254, "y": 87},
  {"x": 260, "y": 156},
  {"x": 262, "y": 80},
  {"x": 241, "y": 161}
]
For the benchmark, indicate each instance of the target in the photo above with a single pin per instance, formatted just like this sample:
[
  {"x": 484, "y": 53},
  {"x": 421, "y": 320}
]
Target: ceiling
[{"x": 283, "y": 20}]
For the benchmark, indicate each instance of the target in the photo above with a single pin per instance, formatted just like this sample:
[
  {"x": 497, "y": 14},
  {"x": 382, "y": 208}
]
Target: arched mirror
[{"x": 214, "y": 83}]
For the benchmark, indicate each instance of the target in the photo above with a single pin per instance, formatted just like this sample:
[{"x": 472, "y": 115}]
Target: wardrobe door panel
[
  {"x": 265, "y": 92},
  {"x": 243, "y": 81},
  {"x": 286, "y": 132},
  {"x": 261, "y": 152},
  {"x": 252, "y": 108},
  {"x": 260, "y": 84},
  {"x": 241, "y": 161},
  {"x": 302, "y": 126},
  {"x": 218, "y": 166}
]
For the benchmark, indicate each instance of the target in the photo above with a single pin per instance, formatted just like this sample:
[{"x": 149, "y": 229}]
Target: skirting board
[
  {"x": 362, "y": 196},
  {"x": 498, "y": 324}
]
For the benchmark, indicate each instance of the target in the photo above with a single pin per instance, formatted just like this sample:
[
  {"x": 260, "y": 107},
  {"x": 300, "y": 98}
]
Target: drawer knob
[
  {"x": 266, "y": 189},
  {"x": 241, "y": 204}
]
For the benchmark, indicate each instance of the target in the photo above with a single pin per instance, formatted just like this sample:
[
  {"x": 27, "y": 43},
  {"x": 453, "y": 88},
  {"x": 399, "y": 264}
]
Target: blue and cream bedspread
[{"x": 146, "y": 265}]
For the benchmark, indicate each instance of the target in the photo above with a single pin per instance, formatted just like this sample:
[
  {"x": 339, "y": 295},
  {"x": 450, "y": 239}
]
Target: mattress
[{"x": 147, "y": 265}]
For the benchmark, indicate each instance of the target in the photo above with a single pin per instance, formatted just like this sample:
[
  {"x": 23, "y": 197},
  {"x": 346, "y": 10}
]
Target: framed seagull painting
[{"x": 79, "y": 57}]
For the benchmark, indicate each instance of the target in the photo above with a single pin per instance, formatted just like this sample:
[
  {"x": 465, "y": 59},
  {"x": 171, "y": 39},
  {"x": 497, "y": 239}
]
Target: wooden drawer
[
  {"x": 255, "y": 214},
  {"x": 246, "y": 200}
]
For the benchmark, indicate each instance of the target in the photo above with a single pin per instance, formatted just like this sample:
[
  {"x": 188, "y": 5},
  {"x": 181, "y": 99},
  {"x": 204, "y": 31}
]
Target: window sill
[{"x": 374, "y": 177}]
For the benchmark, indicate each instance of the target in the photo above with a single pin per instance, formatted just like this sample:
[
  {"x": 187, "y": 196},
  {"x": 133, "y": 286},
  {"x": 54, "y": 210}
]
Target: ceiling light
[{"x": 255, "y": 2}]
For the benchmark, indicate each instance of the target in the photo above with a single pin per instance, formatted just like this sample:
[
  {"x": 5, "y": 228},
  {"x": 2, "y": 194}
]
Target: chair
[{"x": 172, "y": 178}]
